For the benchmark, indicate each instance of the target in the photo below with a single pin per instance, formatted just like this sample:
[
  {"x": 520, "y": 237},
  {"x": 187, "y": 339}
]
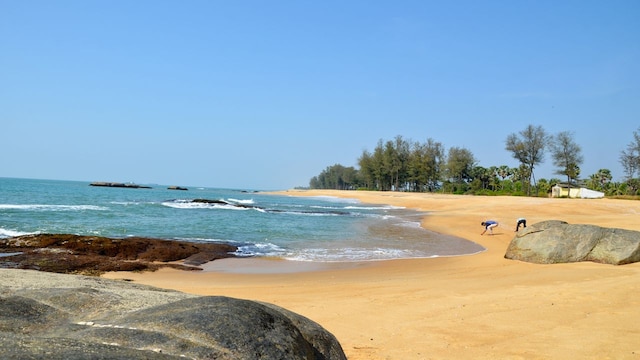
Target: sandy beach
[{"x": 479, "y": 306}]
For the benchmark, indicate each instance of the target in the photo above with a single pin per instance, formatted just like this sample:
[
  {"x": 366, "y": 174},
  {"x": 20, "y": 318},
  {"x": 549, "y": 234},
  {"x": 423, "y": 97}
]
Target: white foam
[
  {"x": 4, "y": 233},
  {"x": 239, "y": 201},
  {"x": 411, "y": 224},
  {"x": 351, "y": 254},
  {"x": 44, "y": 207},
  {"x": 126, "y": 203},
  {"x": 326, "y": 207},
  {"x": 336, "y": 199},
  {"x": 196, "y": 205},
  {"x": 259, "y": 249},
  {"x": 386, "y": 207},
  {"x": 317, "y": 214}
]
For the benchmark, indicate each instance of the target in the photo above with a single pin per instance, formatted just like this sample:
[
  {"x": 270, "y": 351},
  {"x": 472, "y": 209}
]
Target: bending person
[{"x": 488, "y": 225}]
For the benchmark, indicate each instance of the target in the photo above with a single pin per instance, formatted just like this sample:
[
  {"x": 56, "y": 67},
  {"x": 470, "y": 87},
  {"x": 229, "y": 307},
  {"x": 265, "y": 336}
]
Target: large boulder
[
  {"x": 554, "y": 241},
  {"x": 54, "y": 316}
]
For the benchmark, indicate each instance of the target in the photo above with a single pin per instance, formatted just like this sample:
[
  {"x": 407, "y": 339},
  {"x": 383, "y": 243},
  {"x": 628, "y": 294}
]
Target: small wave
[
  {"x": 41, "y": 207},
  {"x": 336, "y": 199},
  {"x": 333, "y": 208},
  {"x": 385, "y": 207},
  {"x": 352, "y": 207},
  {"x": 126, "y": 203},
  {"x": 187, "y": 204},
  {"x": 260, "y": 249},
  {"x": 353, "y": 254},
  {"x": 238, "y": 201},
  {"x": 5, "y": 233},
  {"x": 410, "y": 224},
  {"x": 219, "y": 204},
  {"x": 309, "y": 212}
]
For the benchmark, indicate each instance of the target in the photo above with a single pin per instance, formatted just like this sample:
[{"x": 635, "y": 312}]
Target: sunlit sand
[{"x": 479, "y": 306}]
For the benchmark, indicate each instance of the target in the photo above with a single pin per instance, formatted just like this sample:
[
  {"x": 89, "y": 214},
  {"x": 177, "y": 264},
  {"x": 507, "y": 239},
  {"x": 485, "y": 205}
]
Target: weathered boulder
[
  {"x": 55, "y": 316},
  {"x": 554, "y": 241}
]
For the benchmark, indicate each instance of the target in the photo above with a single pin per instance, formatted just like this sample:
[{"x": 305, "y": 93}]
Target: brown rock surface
[{"x": 93, "y": 255}]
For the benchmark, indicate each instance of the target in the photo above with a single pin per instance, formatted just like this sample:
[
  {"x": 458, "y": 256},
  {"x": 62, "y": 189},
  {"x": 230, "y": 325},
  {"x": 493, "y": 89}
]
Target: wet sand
[
  {"x": 273, "y": 266},
  {"x": 478, "y": 306}
]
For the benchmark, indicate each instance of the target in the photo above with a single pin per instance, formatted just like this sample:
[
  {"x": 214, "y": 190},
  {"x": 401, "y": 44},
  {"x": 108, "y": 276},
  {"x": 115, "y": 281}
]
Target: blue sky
[{"x": 266, "y": 94}]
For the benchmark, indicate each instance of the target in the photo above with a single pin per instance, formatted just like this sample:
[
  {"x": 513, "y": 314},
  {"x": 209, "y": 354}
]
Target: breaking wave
[{"x": 45, "y": 207}]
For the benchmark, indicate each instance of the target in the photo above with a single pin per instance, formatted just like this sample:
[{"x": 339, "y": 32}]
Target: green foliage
[
  {"x": 528, "y": 148},
  {"x": 336, "y": 177},
  {"x": 404, "y": 165},
  {"x": 567, "y": 155},
  {"x": 630, "y": 157},
  {"x": 460, "y": 163}
]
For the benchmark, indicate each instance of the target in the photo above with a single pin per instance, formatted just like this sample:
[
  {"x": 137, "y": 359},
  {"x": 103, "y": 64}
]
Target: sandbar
[{"x": 480, "y": 306}]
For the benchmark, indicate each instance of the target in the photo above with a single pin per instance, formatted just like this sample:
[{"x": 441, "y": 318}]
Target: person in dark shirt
[
  {"x": 488, "y": 225},
  {"x": 521, "y": 221}
]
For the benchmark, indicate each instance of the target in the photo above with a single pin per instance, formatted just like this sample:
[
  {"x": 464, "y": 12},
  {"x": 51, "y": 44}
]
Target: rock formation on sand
[
  {"x": 57, "y": 316},
  {"x": 554, "y": 241}
]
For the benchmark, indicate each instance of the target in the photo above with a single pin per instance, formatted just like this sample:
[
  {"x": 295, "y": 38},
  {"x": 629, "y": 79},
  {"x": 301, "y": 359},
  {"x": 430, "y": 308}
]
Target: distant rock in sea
[
  {"x": 554, "y": 241},
  {"x": 119, "y": 185},
  {"x": 177, "y": 188}
]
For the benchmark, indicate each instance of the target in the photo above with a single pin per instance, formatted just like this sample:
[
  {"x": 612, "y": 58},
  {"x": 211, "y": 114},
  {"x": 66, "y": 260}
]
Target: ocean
[{"x": 319, "y": 229}]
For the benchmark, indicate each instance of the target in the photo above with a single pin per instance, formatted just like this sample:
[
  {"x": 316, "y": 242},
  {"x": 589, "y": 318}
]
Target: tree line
[{"x": 405, "y": 165}]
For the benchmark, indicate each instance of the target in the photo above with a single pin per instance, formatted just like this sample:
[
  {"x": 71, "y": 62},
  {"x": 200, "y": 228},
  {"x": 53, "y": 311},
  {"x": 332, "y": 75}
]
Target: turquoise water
[{"x": 295, "y": 228}]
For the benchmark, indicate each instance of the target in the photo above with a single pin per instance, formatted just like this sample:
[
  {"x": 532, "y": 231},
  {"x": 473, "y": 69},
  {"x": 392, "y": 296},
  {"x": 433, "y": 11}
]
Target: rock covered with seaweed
[{"x": 67, "y": 253}]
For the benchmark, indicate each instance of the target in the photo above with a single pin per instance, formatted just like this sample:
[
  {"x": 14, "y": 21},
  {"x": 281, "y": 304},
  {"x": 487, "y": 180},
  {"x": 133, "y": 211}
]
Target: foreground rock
[
  {"x": 93, "y": 255},
  {"x": 553, "y": 241},
  {"x": 55, "y": 316}
]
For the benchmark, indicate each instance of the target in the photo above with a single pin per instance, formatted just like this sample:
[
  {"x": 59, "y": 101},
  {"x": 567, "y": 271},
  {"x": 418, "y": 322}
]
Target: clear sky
[{"x": 266, "y": 94}]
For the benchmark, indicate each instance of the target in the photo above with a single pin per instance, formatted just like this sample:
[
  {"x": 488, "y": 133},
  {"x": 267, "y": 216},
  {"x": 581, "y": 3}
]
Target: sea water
[{"x": 322, "y": 229}]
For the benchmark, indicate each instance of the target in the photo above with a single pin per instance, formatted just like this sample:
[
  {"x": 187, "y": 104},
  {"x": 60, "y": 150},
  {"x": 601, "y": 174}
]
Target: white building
[{"x": 563, "y": 190}]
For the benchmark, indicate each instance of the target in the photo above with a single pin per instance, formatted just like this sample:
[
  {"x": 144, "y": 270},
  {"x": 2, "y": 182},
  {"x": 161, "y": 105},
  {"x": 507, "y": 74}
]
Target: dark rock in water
[
  {"x": 119, "y": 185},
  {"x": 222, "y": 202},
  {"x": 54, "y": 316},
  {"x": 207, "y": 201},
  {"x": 67, "y": 253},
  {"x": 554, "y": 241},
  {"x": 177, "y": 188}
]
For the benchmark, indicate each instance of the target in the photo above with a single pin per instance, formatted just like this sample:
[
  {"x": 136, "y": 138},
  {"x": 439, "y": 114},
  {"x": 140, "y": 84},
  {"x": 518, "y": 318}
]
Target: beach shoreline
[{"x": 478, "y": 306}]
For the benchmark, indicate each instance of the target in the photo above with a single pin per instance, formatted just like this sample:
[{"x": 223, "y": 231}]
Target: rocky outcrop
[
  {"x": 225, "y": 203},
  {"x": 554, "y": 241},
  {"x": 119, "y": 185},
  {"x": 92, "y": 255},
  {"x": 55, "y": 316},
  {"x": 173, "y": 187}
]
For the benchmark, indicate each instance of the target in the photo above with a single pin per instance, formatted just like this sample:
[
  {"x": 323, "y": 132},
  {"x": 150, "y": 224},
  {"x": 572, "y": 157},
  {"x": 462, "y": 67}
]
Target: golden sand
[{"x": 469, "y": 307}]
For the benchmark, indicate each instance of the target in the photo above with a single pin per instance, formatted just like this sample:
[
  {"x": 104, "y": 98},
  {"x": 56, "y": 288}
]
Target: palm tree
[
  {"x": 504, "y": 171},
  {"x": 616, "y": 188},
  {"x": 603, "y": 176}
]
